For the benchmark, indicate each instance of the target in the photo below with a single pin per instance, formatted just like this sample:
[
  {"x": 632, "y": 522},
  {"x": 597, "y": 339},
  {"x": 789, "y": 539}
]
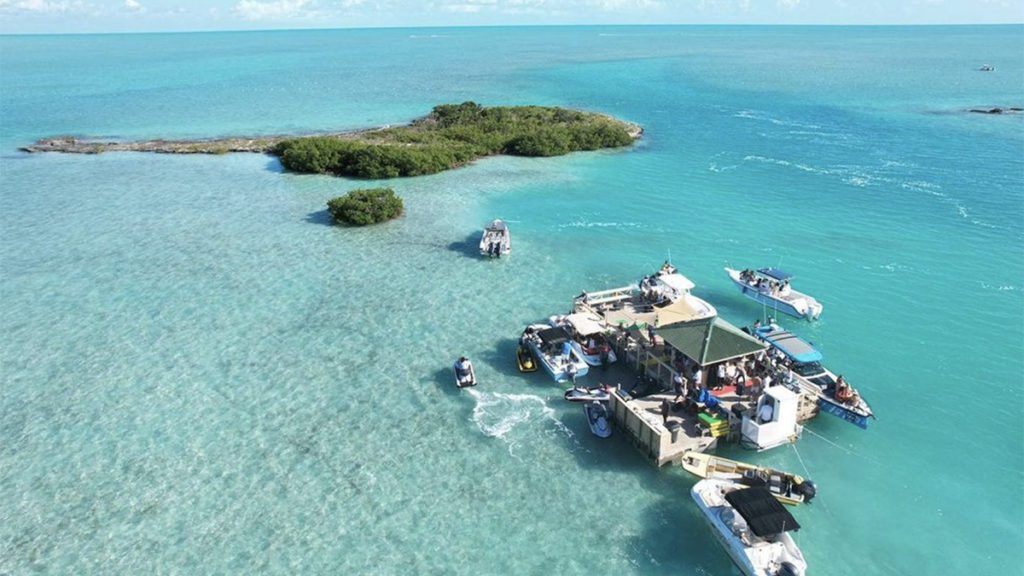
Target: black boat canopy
[
  {"x": 555, "y": 335},
  {"x": 765, "y": 515},
  {"x": 775, "y": 273}
]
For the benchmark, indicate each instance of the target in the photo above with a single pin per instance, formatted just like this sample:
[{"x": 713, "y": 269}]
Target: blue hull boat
[{"x": 806, "y": 364}]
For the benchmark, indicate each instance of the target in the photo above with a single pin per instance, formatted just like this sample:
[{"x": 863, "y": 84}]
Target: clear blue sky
[{"x": 58, "y": 16}]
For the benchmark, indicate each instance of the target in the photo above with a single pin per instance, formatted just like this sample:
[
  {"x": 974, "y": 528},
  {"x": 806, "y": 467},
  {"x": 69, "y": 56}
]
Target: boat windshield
[{"x": 809, "y": 369}]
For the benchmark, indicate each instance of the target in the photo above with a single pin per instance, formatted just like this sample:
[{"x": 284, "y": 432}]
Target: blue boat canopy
[
  {"x": 779, "y": 275},
  {"x": 791, "y": 345}
]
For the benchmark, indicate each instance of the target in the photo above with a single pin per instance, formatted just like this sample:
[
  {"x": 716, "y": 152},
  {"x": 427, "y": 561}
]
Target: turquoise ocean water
[{"x": 199, "y": 375}]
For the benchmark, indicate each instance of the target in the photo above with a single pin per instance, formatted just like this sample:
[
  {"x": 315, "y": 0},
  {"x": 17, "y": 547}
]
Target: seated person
[
  {"x": 464, "y": 371},
  {"x": 765, "y": 413}
]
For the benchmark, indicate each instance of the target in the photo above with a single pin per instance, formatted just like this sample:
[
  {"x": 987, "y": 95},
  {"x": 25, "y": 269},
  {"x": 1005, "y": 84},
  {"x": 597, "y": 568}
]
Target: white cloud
[
  {"x": 788, "y": 4},
  {"x": 45, "y": 6},
  {"x": 274, "y": 9},
  {"x": 132, "y": 5}
]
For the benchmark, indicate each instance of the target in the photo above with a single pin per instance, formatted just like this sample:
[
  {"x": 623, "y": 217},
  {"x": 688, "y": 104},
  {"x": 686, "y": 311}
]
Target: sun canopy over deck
[
  {"x": 585, "y": 324},
  {"x": 551, "y": 336},
  {"x": 791, "y": 345},
  {"x": 710, "y": 340},
  {"x": 764, "y": 514},
  {"x": 775, "y": 273},
  {"x": 675, "y": 281}
]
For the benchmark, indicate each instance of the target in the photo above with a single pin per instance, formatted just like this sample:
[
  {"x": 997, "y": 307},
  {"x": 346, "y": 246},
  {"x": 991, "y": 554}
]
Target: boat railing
[{"x": 612, "y": 296}]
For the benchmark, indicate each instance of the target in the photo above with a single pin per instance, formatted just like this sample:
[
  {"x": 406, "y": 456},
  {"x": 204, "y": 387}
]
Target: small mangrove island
[
  {"x": 450, "y": 136},
  {"x": 366, "y": 206}
]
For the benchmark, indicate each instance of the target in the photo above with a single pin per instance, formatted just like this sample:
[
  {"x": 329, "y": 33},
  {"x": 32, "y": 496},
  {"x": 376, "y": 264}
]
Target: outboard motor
[
  {"x": 788, "y": 569},
  {"x": 808, "y": 489}
]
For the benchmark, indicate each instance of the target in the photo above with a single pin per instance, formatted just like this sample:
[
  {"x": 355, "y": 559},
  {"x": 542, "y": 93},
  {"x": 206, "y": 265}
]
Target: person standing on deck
[
  {"x": 679, "y": 385},
  {"x": 698, "y": 376}
]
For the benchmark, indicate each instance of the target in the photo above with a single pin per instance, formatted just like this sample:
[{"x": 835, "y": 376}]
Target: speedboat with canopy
[
  {"x": 752, "y": 526},
  {"x": 496, "y": 240},
  {"x": 770, "y": 286},
  {"x": 587, "y": 337},
  {"x": 834, "y": 395},
  {"x": 551, "y": 346}
]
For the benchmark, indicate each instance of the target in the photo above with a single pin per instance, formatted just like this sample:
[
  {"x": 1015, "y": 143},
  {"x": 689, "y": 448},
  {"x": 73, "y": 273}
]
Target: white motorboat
[
  {"x": 770, "y": 286},
  {"x": 496, "y": 240},
  {"x": 588, "y": 338},
  {"x": 597, "y": 416},
  {"x": 667, "y": 287},
  {"x": 552, "y": 346},
  {"x": 752, "y": 526}
]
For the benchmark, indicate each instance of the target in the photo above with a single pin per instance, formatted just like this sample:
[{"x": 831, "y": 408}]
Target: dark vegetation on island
[
  {"x": 366, "y": 206},
  {"x": 452, "y": 135}
]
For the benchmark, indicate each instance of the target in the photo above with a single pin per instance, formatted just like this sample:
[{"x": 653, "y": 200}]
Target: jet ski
[
  {"x": 468, "y": 376},
  {"x": 525, "y": 360},
  {"x": 597, "y": 393},
  {"x": 597, "y": 416}
]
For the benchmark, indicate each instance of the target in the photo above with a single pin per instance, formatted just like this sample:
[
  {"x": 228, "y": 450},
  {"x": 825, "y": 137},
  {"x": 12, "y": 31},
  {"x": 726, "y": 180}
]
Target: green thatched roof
[{"x": 710, "y": 340}]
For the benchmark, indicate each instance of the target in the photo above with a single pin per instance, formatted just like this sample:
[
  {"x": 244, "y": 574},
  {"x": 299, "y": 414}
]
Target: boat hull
[
  {"x": 593, "y": 359},
  {"x": 708, "y": 466},
  {"x": 559, "y": 370},
  {"x": 826, "y": 404},
  {"x": 750, "y": 561},
  {"x": 810, "y": 312}
]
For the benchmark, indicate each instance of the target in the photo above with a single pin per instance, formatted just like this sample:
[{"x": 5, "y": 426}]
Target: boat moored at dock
[
  {"x": 835, "y": 396},
  {"x": 587, "y": 337},
  {"x": 496, "y": 240},
  {"x": 551, "y": 346},
  {"x": 770, "y": 286},
  {"x": 752, "y": 526},
  {"x": 787, "y": 488}
]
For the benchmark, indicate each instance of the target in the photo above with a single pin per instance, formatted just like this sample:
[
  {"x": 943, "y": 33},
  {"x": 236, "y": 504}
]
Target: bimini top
[
  {"x": 775, "y": 273},
  {"x": 585, "y": 324},
  {"x": 555, "y": 335},
  {"x": 675, "y": 281},
  {"x": 765, "y": 515},
  {"x": 794, "y": 347},
  {"x": 497, "y": 225}
]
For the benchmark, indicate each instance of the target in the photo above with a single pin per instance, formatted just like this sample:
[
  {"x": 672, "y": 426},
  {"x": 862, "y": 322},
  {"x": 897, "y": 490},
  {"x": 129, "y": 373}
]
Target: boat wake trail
[{"x": 498, "y": 415}]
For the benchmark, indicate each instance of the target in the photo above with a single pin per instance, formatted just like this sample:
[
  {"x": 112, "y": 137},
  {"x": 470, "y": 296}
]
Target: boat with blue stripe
[
  {"x": 835, "y": 396},
  {"x": 770, "y": 286}
]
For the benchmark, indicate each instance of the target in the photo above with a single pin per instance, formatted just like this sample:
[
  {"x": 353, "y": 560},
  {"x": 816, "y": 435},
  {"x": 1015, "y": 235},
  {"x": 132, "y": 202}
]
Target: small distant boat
[
  {"x": 752, "y": 526},
  {"x": 835, "y": 397},
  {"x": 770, "y": 286},
  {"x": 587, "y": 337},
  {"x": 596, "y": 393},
  {"x": 496, "y": 240},
  {"x": 525, "y": 360},
  {"x": 597, "y": 416},
  {"x": 552, "y": 347},
  {"x": 787, "y": 488},
  {"x": 986, "y": 68},
  {"x": 465, "y": 376}
]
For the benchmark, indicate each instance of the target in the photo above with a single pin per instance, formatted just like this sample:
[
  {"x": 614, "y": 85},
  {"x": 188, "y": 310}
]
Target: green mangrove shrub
[
  {"x": 366, "y": 206},
  {"x": 452, "y": 135}
]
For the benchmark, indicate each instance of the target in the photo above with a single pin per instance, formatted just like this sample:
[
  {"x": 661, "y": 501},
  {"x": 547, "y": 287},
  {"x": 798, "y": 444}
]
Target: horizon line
[{"x": 468, "y": 26}]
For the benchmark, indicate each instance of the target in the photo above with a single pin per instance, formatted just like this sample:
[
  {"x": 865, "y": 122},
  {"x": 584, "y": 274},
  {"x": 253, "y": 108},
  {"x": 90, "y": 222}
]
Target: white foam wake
[{"x": 498, "y": 415}]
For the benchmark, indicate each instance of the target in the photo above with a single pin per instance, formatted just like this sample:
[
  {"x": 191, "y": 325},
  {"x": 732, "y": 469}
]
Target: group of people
[{"x": 773, "y": 287}]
